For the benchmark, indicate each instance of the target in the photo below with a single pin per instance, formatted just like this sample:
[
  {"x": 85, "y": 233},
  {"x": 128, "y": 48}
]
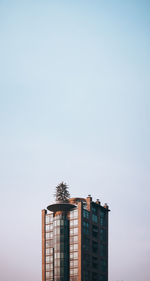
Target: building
[{"x": 75, "y": 241}]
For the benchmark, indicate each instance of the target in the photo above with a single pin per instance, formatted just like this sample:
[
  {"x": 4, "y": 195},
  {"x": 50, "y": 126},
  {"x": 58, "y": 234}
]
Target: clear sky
[{"x": 75, "y": 106}]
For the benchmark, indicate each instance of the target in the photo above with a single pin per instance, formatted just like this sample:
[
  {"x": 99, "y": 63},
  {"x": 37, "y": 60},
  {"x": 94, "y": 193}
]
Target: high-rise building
[{"x": 75, "y": 241}]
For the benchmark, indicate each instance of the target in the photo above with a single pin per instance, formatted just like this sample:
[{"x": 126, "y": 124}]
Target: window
[
  {"x": 94, "y": 218},
  {"x": 103, "y": 250},
  {"x": 49, "y": 243},
  {"x": 48, "y": 219},
  {"x": 75, "y": 270},
  {"x": 49, "y": 266},
  {"x": 85, "y": 227},
  {"x": 75, "y": 230},
  {"x": 94, "y": 210},
  {"x": 49, "y": 259},
  {"x": 74, "y": 213},
  {"x": 57, "y": 271},
  {"x": 75, "y": 247},
  {"x": 57, "y": 262},
  {"x": 49, "y": 251},
  {"x": 103, "y": 218},
  {"x": 49, "y": 235},
  {"x": 103, "y": 234},
  {"x": 56, "y": 230},
  {"x": 57, "y": 255},
  {"x": 73, "y": 222},
  {"x": 101, "y": 221},
  {"x": 86, "y": 243},
  {"x": 71, "y": 263},
  {"x": 75, "y": 263},
  {"x": 103, "y": 265},
  {"x": 61, "y": 271},
  {"x": 103, "y": 278},
  {"x": 75, "y": 238},
  {"x": 86, "y": 214},
  {"x": 48, "y": 274},
  {"x": 49, "y": 227},
  {"x": 94, "y": 276},
  {"x": 61, "y": 246},
  {"x": 75, "y": 255},
  {"x": 95, "y": 246}
]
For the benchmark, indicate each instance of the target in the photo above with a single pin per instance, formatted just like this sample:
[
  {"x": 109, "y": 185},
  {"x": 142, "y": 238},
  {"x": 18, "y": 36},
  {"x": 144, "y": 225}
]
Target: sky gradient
[{"x": 75, "y": 107}]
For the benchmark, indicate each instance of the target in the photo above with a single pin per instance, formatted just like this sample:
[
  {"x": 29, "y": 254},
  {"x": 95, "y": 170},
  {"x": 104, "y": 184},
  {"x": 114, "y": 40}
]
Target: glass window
[
  {"x": 58, "y": 222},
  {"x": 86, "y": 214},
  {"x": 48, "y": 218},
  {"x": 103, "y": 265},
  {"x": 75, "y": 263},
  {"x": 49, "y": 243},
  {"x": 86, "y": 224},
  {"x": 85, "y": 227},
  {"x": 49, "y": 259},
  {"x": 62, "y": 230},
  {"x": 75, "y": 230},
  {"x": 49, "y": 235},
  {"x": 94, "y": 210},
  {"x": 75, "y": 238},
  {"x": 49, "y": 251},
  {"x": 94, "y": 218},
  {"x": 75, "y": 255},
  {"x": 75, "y": 222},
  {"x": 49, "y": 266},
  {"x": 74, "y": 213},
  {"x": 47, "y": 228},
  {"x": 103, "y": 234},
  {"x": 103, "y": 250},
  {"x": 57, "y": 262},
  {"x": 57, "y": 271},
  {"x": 48, "y": 274},
  {"x": 75, "y": 247},
  {"x": 75, "y": 270},
  {"x": 56, "y": 230},
  {"x": 61, "y": 271},
  {"x": 61, "y": 246},
  {"x": 57, "y": 255}
]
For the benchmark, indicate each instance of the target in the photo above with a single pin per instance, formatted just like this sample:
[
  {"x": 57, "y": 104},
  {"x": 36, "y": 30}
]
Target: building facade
[{"x": 75, "y": 241}]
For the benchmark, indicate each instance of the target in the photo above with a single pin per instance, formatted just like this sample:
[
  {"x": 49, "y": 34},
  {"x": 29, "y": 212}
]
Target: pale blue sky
[{"x": 74, "y": 106}]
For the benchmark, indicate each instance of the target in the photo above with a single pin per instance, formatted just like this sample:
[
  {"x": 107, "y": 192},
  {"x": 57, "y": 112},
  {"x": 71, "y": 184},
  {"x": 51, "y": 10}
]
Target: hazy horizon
[{"x": 75, "y": 107}]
